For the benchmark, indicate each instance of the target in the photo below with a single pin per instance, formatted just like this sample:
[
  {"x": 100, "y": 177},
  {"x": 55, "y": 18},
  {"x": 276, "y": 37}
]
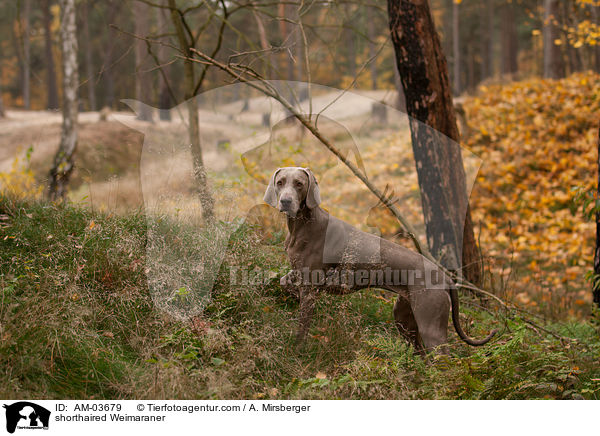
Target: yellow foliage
[
  {"x": 586, "y": 32},
  {"x": 19, "y": 181},
  {"x": 537, "y": 139}
]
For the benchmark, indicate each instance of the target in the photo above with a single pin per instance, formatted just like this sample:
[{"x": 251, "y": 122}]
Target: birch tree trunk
[
  {"x": 52, "y": 102},
  {"x": 63, "y": 161},
  {"x": 434, "y": 133}
]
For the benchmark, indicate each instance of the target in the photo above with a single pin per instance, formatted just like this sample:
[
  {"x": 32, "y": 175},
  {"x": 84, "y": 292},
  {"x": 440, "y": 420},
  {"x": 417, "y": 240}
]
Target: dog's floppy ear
[
  {"x": 270, "y": 195},
  {"x": 313, "y": 195}
]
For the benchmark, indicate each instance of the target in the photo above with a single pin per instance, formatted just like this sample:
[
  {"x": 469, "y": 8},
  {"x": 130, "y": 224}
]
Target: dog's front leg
[
  {"x": 291, "y": 283},
  {"x": 308, "y": 298}
]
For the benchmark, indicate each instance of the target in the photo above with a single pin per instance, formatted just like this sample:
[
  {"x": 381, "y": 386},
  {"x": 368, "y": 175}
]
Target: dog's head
[{"x": 292, "y": 188}]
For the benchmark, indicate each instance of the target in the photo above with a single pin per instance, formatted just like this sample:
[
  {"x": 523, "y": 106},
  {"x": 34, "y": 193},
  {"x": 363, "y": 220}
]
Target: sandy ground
[
  {"x": 116, "y": 168},
  {"x": 20, "y": 130}
]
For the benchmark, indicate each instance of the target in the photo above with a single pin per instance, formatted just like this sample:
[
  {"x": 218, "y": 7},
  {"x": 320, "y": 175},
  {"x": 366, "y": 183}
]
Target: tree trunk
[
  {"x": 50, "y": 68},
  {"x": 2, "y": 112},
  {"x": 299, "y": 51},
  {"x": 568, "y": 21},
  {"x": 350, "y": 42},
  {"x": 164, "y": 96},
  {"x": 492, "y": 35},
  {"x": 509, "y": 40},
  {"x": 575, "y": 62},
  {"x": 596, "y": 288},
  {"x": 484, "y": 40},
  {"x": 18, "y": 49},
  {"x": 143, "y": 79},
  {"x": 107, "y": 74},
  {"x": 471, "y": 81},
  {"x": 285, "y": 38},
  {"x": 372, "y": 47},
  {"x": 400, "y": 102},
  {"x": 424, "y": 76},
  {"x": 596, "y": 17},
  {"x": 193, "y": 122},
  {"x": 554, "y": 67},
  {"x": 456, "y": 47},
  {"x": 63, "y": 161},
  {"x": 89, "y": 66},
  {"x": 26, "y": 56},
  {"x": 270, "y": 62}
]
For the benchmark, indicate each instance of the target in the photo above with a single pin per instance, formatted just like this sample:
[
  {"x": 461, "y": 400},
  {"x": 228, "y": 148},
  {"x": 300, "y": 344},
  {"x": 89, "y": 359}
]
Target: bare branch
[
  {"x": 163, "y": 74},
  {"x": 217, "y": 47},
  {"x": 362, "y": 68},
  {"x": 155, "y": 5},
  {"x": 143, "y": 38}
]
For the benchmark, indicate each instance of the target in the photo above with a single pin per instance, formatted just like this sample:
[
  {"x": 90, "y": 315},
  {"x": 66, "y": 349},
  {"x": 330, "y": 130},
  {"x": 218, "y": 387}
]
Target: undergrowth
[{"x": 77, "y": 321}]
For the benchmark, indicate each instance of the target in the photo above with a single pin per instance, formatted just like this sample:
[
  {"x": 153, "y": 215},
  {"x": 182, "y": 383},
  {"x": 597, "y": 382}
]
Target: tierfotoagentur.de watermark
[{"x": 429, "y": 278}]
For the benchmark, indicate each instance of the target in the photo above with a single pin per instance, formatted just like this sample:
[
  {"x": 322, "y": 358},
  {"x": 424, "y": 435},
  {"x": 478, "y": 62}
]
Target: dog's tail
[{"x": 458, "y": 327}]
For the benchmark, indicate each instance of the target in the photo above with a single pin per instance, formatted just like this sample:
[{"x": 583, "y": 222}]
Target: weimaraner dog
[{"x": 329, "y": 255}]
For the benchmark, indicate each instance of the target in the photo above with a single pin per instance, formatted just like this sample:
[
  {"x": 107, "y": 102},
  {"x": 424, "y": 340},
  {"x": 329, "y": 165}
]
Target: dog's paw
[
  {"x": 285, "y": 281},
  {"x": 289, "y": 283},
  {"x": 290, "y": 279}
]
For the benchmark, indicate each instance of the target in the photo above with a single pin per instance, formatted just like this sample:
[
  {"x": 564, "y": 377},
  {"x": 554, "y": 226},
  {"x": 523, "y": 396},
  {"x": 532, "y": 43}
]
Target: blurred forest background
[
  {"x": 484, "y": 41},
  {"x": 76, "y": 316}
]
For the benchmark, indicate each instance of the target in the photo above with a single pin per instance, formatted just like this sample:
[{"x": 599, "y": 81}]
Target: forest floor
[{"x": 78, "y": 320}]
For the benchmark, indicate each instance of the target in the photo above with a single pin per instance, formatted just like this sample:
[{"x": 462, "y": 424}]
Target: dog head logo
[{"x": 26, "y": 415}]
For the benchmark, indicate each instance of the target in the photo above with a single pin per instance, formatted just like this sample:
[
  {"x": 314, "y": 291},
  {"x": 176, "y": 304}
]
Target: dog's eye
[
  {"x": 298, "y": 184},
  {"x": 279, "y": 183}
]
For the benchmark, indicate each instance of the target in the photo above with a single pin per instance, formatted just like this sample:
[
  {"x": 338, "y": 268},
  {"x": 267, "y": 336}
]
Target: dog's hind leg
[
  {"x": 431, "y": 309},
  {"x": 405, "y": 321}
]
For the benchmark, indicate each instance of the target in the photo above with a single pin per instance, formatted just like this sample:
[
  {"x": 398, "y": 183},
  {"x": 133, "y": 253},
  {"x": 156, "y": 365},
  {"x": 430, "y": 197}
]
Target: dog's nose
[{"x": 285, "y": 202}]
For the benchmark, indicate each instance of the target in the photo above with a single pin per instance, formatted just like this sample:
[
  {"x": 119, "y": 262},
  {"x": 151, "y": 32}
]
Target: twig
[{"x": 550, "y": 332}]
